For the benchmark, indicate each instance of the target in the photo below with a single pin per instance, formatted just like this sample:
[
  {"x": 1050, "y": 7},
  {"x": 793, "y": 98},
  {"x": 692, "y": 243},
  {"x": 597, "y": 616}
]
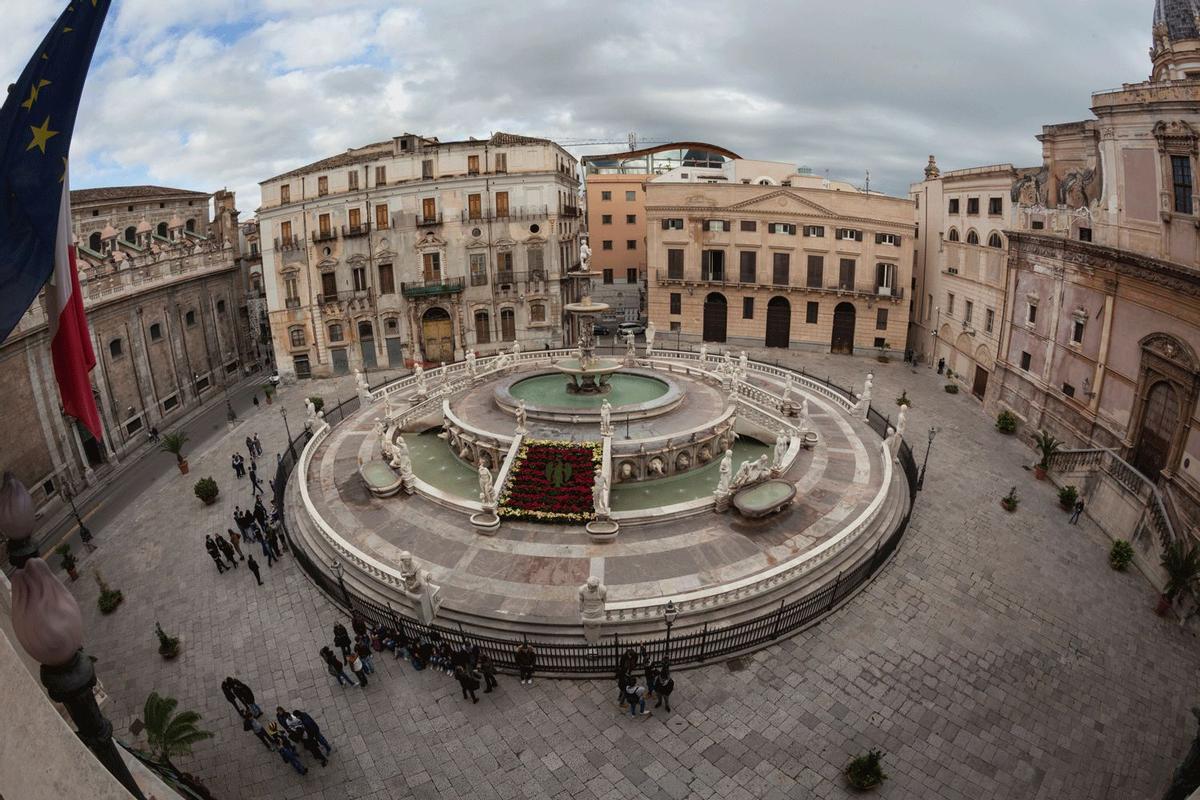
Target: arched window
[
  {"x": 131, "y": 235},
  {"x": 483, "y": 327},
  {"x": 115, "y": 348},
  {"x": 508, "y": 325},
  {"x": 220, "y": 306},
  {"x": 953, "y": 236},
  {"x": 335, "y": 332},
  {"x": 537, "y": 312},
  {"x": 94, "y": 242},
  {"x": 162, "y": 229},
  {"x": 391, "y": 326},
  {"x": 155, "y": 332},
  {"x": 296, "y": 335},
  {"x": 995, "y": 241},
  {"x": 190, "y": 225},
  {"x": 189, "y": 318},
  {"x": 972, "y": 237}
]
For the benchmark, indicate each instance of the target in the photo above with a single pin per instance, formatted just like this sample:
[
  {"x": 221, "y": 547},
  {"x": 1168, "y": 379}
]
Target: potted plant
[
  {"x": 318, "y": 403},
  {"x": 173, "y": 443},
  {"x": 168, "y": 646},
  {"x": 68, "y": 560},
  {"x": 883, "y": 354},
  {"x": 865, "y": 771},
  {"x": 951, "y": 388},
  {"x": 903, "y": 400},
  {"x": 206, "y": 489},
  {"x": 268, "y": 392},
  {"x": 1047, "y": 445},
  {"x": 1067, "y": 496},
  {"x": 1006, "y": 422},
  {"x": 109, "y": 598},
  {"x": 1182, "y": 563},
  {"x": 1010, "y": 501},
  {"x": 1121, "y": 555},
  {"x": 170, "y": 734}
]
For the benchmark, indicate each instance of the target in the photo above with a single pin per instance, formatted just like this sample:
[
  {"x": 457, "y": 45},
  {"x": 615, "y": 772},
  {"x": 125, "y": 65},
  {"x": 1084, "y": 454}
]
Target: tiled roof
[{"x": 114, "y": 193}]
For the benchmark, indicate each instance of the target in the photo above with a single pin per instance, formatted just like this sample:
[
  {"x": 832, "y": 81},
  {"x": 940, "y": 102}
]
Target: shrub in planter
[
  {"x": 866, "y": 771},
  {"x": 1182, "y": 563},
  {"x": 1010, "y": 501},
  {"x": 951, "y": 388},
  {"x": 317, "y": 401},
  {"x": 68, "y": 560},
  {"x": 109, "y": 598},
  {"x": 206, "y": 489},
  {"x": 903, "y": 400},
  {"x": 1120, "y": 555},
  {"x": 1067, "y": 496},
  {"x": 1047, "y": 445},
  {"x": 1006, "y": 422},
  {"x": 883, "y": 354},
  {"x": 168, "y": 646}
]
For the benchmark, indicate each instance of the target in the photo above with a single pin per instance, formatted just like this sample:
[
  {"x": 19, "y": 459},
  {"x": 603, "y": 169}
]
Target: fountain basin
[{"x": 633, "y": 392}]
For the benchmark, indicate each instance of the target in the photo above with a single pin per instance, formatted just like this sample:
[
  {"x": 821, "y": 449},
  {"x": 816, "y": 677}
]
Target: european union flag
[{"x": 36, "y": 123}]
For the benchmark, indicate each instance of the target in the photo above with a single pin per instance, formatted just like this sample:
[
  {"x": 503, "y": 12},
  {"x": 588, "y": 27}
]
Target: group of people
[
  {"x": 658, "y": 682},
  {"x": 254, "y": 449},
  {"x": 290, "y": 731}
]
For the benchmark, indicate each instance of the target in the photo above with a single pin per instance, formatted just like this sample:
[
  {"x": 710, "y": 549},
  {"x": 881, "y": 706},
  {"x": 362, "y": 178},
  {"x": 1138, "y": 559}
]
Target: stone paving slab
[{"x": 997, "y": 656}]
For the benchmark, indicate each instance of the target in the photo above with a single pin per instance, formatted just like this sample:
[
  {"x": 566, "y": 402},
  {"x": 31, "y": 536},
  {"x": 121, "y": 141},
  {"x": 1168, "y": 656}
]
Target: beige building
[
  {"x": 1102, "y": 336},
  {"x": 415, "y": 247},
  {"x": 959, "y": 270},
  {"x": 616, "y": 217},
  {"x": 165, "y": 301},
  {"x": 756, "y": 254}
]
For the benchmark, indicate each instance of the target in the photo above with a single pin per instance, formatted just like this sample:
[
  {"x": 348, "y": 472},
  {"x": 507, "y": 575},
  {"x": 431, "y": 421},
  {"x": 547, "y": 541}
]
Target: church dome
[{"x": 1179, "y": 18}]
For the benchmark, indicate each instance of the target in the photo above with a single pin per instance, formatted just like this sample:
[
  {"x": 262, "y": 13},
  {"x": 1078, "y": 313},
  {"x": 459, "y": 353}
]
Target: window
[
  {"x": 483, "y": 328},
  {"x": 387, "y": 279},
  {"x": 189, "y": 318},
  {"x": 285, "y": 231},
  {"x": 781, "y": 227},
  {"x": 130, "y": 235},
  {"x": 190, "y": 225},
  {"x": 781, "y": 264},
  {"x": 606, "y": 219},
  {"x": 953, "y": 206},
  {"x": 170, "y": 402},
  {"x": 381, "y": 215},
  {"x": 810, "y": 312},
  {"x": 1025, "y": 360},
  {"x": 675, "y": 264},
  {"x": 817, "y": 231},
  {"x": 504, "y": 266},
  {"x": 994, "y": 240},
  {"x": 1037, "y": 225},
  {"x": 953, "y": 235},
  {"x": 1181, "y": 177},
  {"x": 285, "y": 194},
  {"x": 116, "y": 348},
  {"x": 429, "y": 209},
  {"x": 335, "y": 332},
  {"x": 156, "y": 332},
  {"x": 973, "y": 205},
  {"x": 968, "y": 312},
  {"x": 631, "y": 219},
  {"x": 676, "y": 303},
  {"x": 606, "y": 195},
  {"x": 296, "y": 335},
  {"x": 881, "y": 319},
  {"x": 846, "y": 274},
  {"x": 631, "y": 275},
  {"x": 972, "y": 237},
  {"x": 322, "y": 186},
  {"x": 608, "y": 276},
  {"x": 501, "y": 162},
  {"x": 537, "y": 312},
  {"x": 1031, "y": 313},
  {"x": 816, "y": 270},
  {"x": 672, "y": 224},
  {"x": 432, "y": 266},
  {"x": 220, "y": 306},
  {"x": 606, "y": 244},
  {"x": 712, "y": 265},
  {"x": 1068, "y": 390},
  {"x": 472, "y": 165},
  {"x": 885, "y": 279},
  {"x": 929, "y": 308},
  {"x": 427, "y": 169},
  {"x": 748, "y": 266},
  {"x": 717, "y": 225},
  {"x": 94, "y": 241},
  {"x": 631, "y": 244},
  {"x": 950, "y": 303},
  {"x": 291, "y": 288},
  {"x": 329, "y": 286},
  {"x": 989, "y": 320},
  {"x": 360, "y": 279},
  {"x": 747, "y": 308},
  {"x": 474, "y": 206},
  {"x": 1077, "y": 331},
  {"x": 849, "y": 235},
  {"x": 1085, "y": 234},
  {"x": 325, "y": 225},
  {"x": 352, "y": 179},
  {"x": 749, "y": 225},
  {"x": 501, "y": 204},
  {"x": 508, "y": 325},
  {"x": 381, "y": 176},
  {"x": 535, "y": 259},
  {"x": 631, "y": 196},
  {"x": 995, "y": 206},
  {"x": 887, "y": 238},
  {"x": 479, "y": 269}
]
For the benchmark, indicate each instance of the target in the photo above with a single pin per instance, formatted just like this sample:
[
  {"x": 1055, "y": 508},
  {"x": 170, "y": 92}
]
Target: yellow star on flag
[
  {"x": 33, "y": 93},
  {"x": 41, "y": 135}
]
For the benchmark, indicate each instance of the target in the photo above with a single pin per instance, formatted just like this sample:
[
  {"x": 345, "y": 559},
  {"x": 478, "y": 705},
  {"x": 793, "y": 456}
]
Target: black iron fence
[{"x": 579, "y": 658}]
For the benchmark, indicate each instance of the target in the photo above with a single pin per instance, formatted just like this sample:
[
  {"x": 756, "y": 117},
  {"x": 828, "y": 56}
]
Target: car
[
  {"x": 627, "y": 328},
  {"x": 601, "y": 330}
]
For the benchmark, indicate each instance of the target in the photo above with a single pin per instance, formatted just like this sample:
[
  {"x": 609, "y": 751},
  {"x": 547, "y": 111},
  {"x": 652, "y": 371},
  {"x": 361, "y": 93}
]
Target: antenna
[
  {"x": 632, "y": 141},
  {"x": 868, "y": 181}
]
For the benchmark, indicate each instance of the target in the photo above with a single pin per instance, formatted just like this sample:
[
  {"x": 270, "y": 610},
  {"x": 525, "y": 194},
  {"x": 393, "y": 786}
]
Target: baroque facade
[
  {"x": 1102, "y": 338},
  {"x": 164, "y": 298},
  {"x": 416, "y": 248},
  {"x": 756, "y": 254}
]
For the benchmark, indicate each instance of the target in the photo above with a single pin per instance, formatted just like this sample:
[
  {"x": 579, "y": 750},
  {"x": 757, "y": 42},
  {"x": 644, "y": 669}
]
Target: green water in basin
[
  {"x": 433, "y": 463},
  {"x": 551, "y": 390},
  {"x": 690, "y": 485}
]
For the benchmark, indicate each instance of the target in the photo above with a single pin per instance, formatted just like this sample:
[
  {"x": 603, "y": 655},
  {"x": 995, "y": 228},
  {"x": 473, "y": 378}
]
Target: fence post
[
  {"x": 703, "y": 641},
  {"x": 778, "y": 619},
  {"x": 833, "y": 594}
]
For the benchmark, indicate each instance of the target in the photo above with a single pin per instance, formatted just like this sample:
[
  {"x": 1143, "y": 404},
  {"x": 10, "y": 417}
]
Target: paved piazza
[{"x": 996, "y": 656}]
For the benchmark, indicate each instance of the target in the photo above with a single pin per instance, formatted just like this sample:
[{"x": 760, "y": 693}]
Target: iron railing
[{"x": 431, "y": 287}]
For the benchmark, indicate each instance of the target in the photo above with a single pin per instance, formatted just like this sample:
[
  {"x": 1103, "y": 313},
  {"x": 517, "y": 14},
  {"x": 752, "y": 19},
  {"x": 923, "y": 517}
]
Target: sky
[{"x": 226, "y": 93}]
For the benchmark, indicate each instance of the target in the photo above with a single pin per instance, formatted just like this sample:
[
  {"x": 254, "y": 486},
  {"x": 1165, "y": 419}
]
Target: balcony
[
  {"x": 425, "y": 221},
  {"x": 325, "y": 299},
  {"x": 287, "y": 242},
  {"x": 876, "y": 293},
  {"x": 511, "y": 214},
  {"x": 569, "y": 211},
  {"x": 479, "y": 279},
  {"x": 432, "y": 287},
  {"x": 291, "y": 302},
  {"x": 324, "y": 236},
  {"x": 350, "y": 231}
]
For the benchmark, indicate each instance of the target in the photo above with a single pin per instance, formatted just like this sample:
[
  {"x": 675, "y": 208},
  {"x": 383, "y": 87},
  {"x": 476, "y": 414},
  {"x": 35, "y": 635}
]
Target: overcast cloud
[{"x": 227, "y": 92}]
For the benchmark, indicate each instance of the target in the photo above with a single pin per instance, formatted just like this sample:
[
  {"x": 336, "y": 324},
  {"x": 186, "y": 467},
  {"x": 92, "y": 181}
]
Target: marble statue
[
  {"x": 591, "y": 599},
  {"x": 683, "y": 462},
  {"x": 656, "y": 466},
  {"x": 310, "y": 413},
  {"x": 787, "y": 389},
  {"x": 704, "y": 455},
  {"x": 579, "y": 355},
  {"x": 419, "y": 374},
  {"x": 781, "y": 448},
  {"x": 728, "y": 363},
  {"x": 585, "y": 256},
  {"x": 605, "y": 418},
  {"x": 651, "y": 332},
  {"x": 630, "y": 352},
  {"x": 501, "y": 362},
  {"x": 401, "y": 460},
  {"x": 379, "y": 427},
  {"x": 864, "y": 399},
  {"x": 703, "y": 353},
  {"x": 472, "y": 367},
  {"x": 600, "y": 494},
  {"x": 805, "y": 419},
  {"x": 360, "y": 381},
  {"x": 487, "y": 491},
  {"x": 625, "y": 472},
  {"x": 743, "y": 364},
  {"x": 522, "y": 416},
  {"x": 751, "y": 472},
  {"x": 902, "y": 421},
  {"x": 891, "y": 442},
  {"x": 414, "y": 579},
  {"x": 516, "y": 351},
  {"x": 726, "y": 473}
]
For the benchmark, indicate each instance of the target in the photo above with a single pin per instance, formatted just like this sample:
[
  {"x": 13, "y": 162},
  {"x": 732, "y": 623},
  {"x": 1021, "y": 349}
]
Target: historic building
[
  {"x": 165, "y": 301},
  {"x": 258, "y": 319},
  {"x": 1102, "y": 336},
  {"x": 755, "y": 253},
  {"x": 958, "y": 299},
  {"x": 616, "y": 215},
  {"x": 416, "y": 247}
]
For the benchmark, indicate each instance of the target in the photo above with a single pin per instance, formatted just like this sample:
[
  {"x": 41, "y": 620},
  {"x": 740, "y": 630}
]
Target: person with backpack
[
  {"x": 526, "y": 661},
  {"x": 341, "y": 638},
  {"x": 487, "y": 668},
  {"x": 664, "y": 684},
  {"x": 336, "y": 668},
  {"x": 467, "y": 681},
  {"x": 635, "y": 693}
]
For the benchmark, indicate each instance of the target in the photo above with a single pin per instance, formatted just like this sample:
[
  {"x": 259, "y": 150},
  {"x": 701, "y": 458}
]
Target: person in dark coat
[
  {"x": 312, "y": 729},
  {"x": 336, "y": 668},
  {"x": 628, "y": 661},
  {"x": 249, "y": 723},
  {"x": 650, "y": 673},
  {"x": 214, "y": 553},
  {"x": 487, "y": 668},
  {"x": 227, "y": 690},
  {"x": 254, "y": 478},
  {"x": 358, "y": 625},
  {"x": 250, "y": 447},
  {"x": 286, "y": 750},
  {"x": 468, "y": 682},
  {"x": 526, "y": 661},
  {"x": 311, "y": 745},
  {"x": 664, "y": 684},
  {"x": 267, "y": 553},
  {"x": 341, "y": 638},
  {"x": 273, "y": 542},
  {"x": 362, "y": 649},
  {"x": 237, "y": 468},
  {"x": 226, "y": 550},
  {"x": 243, "y": 693},
  {"x": 257, "y": 445},
  {"x": 239, "y": 519},
  {"x": 1078, "y": 510},
  {"x": 260, "y": 513},
  {"x": 622, "y": 682},
  {"x": 253, "y": 566}
]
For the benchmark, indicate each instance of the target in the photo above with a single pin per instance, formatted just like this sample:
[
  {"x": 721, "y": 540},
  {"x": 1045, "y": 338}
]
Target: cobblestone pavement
[{"x": 997, "y": 656}]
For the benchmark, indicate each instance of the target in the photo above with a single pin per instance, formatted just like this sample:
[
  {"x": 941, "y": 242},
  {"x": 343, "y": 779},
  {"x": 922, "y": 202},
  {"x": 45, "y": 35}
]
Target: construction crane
[{"x": 632, "y": 141}]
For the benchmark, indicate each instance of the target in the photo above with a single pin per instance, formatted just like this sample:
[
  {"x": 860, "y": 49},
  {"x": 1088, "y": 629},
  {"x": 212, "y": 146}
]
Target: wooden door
[
  {"x": 843, "y": 329},
  {"x": 981, "y": 379},
  {"x": 366, "y": 341},
  {"x": 433, "y": 267},
  {"x": 437, "y": 331},
  {"x": 715, "y": 313},
  {"x": 474, "y": 206},
  {"x": 779, "y": 322},
  {"x": 341, "y": 361},
  {"x": 429, "y": 209},
  {"x": 1159, "y": 422},
  {"x": 501, "y": 204}
]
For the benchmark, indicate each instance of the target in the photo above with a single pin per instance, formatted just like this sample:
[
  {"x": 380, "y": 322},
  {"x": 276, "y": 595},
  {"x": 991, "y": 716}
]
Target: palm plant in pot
[
  {"x": 1067, "y": 496},
  {"x": 1010, "y": 501},
  {"x": 168, "y": 646},
  {"x": 268, "y": 392},
  {"x": 1048, "y": 446},
  {"x": 1182, "y": 563},
  {"x": 170, "y": 734},
  {"x": 68, "y": 560},
  {"x": 865, "y": 771},
  {"x": 173, "y": 443}
]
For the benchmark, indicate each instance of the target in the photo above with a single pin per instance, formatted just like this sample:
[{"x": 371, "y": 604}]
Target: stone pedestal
[
  {"x": 486, "y": 521},
  {"x": 722, "y": 500},
  {"x": 790, "y": 409}
]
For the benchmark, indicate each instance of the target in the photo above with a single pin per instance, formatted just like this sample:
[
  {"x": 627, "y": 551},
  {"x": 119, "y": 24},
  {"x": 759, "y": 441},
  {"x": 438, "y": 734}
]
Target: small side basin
[{"x": 764, "y": 499}]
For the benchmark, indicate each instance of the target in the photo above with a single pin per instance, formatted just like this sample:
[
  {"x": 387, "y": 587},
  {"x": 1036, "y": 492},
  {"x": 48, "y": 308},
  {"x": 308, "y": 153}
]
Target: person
[
  {"x": 941, "y": 365},
  {"x": 336, "y": 668},
  {"x": 153, "y": 434},
  {"x": 227, "y": 690},
  {"x": 635, "y": 694},
  {"x": 286, "y": 751},
  {"x": 1077, "y": 512},
  {"x": 650, "y": 673},
  {"x": 628, "y": 661},
  {"x": 622, "y": 682},
  {"x": 258, "y": 446},
  {"x": 362, "y": 649},
  {"x": 243, "y": 693},
  {"x": 260, "y": 513},
  {"x": 341, "y": 638},
  {"x": 312, "y": 729},
  {"x": 310, "y": 744},
  {"x": 214, "y": 553},
  {"x": 253, "y": 566},
  {"x": 356, "y": 667},
  {"x": 254, "y": 479},
  {"x": 273, "y": 542},
  {"x": 255, "y": 399},
  {"x": 664, "y": 684},
  {"x": 487, "y": 668},
  {"x": 235, "y": 539},
  {"x": 250, "y": 447},
  {"x": 237, "y": 468},
  {"x": 249, "y": 723},
  {"x": 526, "y": 661},
  {"x": 267, "y": 554},
  {"x": 467, "y": 681},
  {"x": 286, "y": 721},
  {"x": 358, "y": 624},
  {"x": 226, "y": 550},
  {"x": 239, "y": 519}
]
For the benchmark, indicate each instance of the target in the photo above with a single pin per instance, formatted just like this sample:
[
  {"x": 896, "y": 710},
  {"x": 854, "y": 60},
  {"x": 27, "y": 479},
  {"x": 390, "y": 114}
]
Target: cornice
[{"x": 1089, "y": 256}]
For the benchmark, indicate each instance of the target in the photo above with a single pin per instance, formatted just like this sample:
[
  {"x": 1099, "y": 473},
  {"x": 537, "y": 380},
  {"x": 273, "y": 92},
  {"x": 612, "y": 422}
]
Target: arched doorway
[
  {"x": 437, "y": 334},
  {"x": 366, "y": 343},
  {"x": 779, "y": 322},
  {"x": 843, "y": 329},
  {"x": 1159, "y": 423},
  {"x": 715, "y": 312}
]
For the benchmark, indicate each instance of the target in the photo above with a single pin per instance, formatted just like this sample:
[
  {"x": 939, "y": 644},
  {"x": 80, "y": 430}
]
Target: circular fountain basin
[
  {"x": 639, "y": 393},
  {"x": 598, "y": 366}
]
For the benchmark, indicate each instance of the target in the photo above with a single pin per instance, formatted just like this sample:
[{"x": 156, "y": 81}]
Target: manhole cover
[
  {"x": 677, "y": 724},
  {"x": 737, "y": 664}
]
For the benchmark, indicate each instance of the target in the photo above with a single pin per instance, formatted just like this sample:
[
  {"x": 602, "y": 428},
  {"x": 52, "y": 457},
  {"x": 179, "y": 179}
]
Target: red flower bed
[{"x": 552, "y": 482}]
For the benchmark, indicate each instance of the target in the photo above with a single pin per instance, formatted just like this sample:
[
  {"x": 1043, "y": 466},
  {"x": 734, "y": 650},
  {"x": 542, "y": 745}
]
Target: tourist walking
[
  {"x": 235, "y": 539},
  {"x": 250, "y": 448},
  {"x": 622, "y": 682},
  {"x": 214, "y": 553},
  {"x": 312, "y": 729},
  {"x": 226, "y": 550},
  {"x": 487, "y": 668},
  {"x": 237, "y": 467},
  {"x": 341, "y": 638},
  {"x": 336, "y": 668},
  {"x": 635, "y": 693},
  {"x": 252, "y": 565},
  {"x": 467, "y": 681},
  {"x": 257, "y": 446},
  {"x": 362, "y": 648},
  {"x": 254, "y": 479},
  {"x": 526, "y": 661},
  {"x": 1077, "y": 512},
  {"x": 286, "y": 751},
  {"x": 311, "y": 745},
  {"x": 267, "y": 554},
  {"x": 227, "y": 690},
  {"x": 243, "y": 693},
  {"x": 273, "y": 542},
  {"x": 249, "y": 723},
  {"x": 664, "y": 684},
  {"x": 356, "y": 667}
]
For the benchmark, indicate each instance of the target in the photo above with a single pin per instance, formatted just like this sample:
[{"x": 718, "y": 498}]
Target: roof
[
  {"x": 1179, "y": 17},
  {"x": 658, "y": 148},
  {"x": 114, "y": 193}
]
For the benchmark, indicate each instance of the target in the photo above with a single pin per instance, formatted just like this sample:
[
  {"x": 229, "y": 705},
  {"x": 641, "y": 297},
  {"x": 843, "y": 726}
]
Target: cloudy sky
[{"x": 228, "y": 92}]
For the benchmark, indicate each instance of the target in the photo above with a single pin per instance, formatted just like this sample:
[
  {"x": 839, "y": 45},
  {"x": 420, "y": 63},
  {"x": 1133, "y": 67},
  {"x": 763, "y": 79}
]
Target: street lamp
[
  {"x": 337, "y": 570},
  {"x": 925, "y": 463},
  {"x": 670, "y": 612},
  {"x": 85, "y": 535},
  {"x": 283, "y": 413}
]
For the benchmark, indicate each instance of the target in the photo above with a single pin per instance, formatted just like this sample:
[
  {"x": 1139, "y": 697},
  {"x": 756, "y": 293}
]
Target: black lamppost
[
  {"x": 670, "y": 612},
  {"x": 337, "y": 570},
  {"x": 283, "y": 413},
  {"x": 85, "y": 535},
  {"x": 925, "y": 463}
]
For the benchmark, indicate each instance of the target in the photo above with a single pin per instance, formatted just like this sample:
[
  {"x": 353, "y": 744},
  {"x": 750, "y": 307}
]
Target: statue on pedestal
[
  {"x": 600, "y": 495},
  {"x": 630, "y": 351},
  {"x": 522, "y": 416},
  {"x": 591, "y": 599},
  {"x": 864, "y": 399},
  {"x": 605, "y": 418},
  {"x": 516, "y": 351},
  {"x": 805, "y": 419},
  {"x": 360, "y": 382},
  {"x": 787, "y": 389},
  {"x": 401, "y": 460},
  {"x": 781, "y": 448},
  {"x": 310, "y": 413},
  {"x": 703, "y": 353},
  {"x": 751, "y": 472},
  {"x": 414, "y": 577},
  {"x": 422, "y": 384},
  {"x": 585, "y": 256},
  {"x": 724, "y": 482},
  {"x": 472, "y": 368},
  {"x": 651, "y": 332},
  {"x": 487, "y": 491},
  {"x": 743, "y": 365}
]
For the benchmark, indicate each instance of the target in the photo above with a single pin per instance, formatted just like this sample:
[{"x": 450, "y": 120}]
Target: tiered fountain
[{"x": 589, "y": 374}]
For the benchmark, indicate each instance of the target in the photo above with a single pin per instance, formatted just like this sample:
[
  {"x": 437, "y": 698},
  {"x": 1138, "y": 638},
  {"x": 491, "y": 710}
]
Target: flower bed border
[{"x": 548, "y": 517}]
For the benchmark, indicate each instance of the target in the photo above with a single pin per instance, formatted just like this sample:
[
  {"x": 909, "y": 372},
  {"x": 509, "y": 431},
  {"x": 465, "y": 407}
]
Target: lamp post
[
  {"x": 337, "y": 570},
  {"x": 47, "y": 622},
  {"x": 925, "y": 463},
  {"x": 85, "y": 535},
  {"x": 670, "y": 612},
  {"x": 283, "y": 413}
]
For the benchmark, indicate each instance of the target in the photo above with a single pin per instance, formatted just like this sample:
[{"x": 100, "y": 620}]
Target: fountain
[{"x": 589, "y": 374}]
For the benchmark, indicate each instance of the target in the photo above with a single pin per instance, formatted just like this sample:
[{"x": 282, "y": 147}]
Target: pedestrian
[
  {"x": 1077, "y": 512},
  {"x": 341, "y": 638},
  {"x": 941, "y": 365},
  {"x": 664, "y": 684},
  {"x": 622, "y": 682},
  {"x": 254, "y": 478},
  {"x": 255, "y": 399},
  {"x": 227, "y": 690},
  {"x": 287, "y": 721},
  {"x": 243, "y": 693},
  {"x": 250, "y": 447},
  {"x": 628, "y": 661},
  {"x": 273, "y": 542},
  {"x": 356, "y": 667},
  {"x": 487, "y": 668},
  {"x": 526, "y": 661},
  {"x": 85, "y": 536},
  {"x": 473, "y": 656},
  {"x": 235, "y": 539},
  {"x": 650, "y": 673},
  {"x": 153, "y": 434},
  {"x": 635, "y": 693},
  {"x": 336, "y": 668},
  {"x": 267, "y": 554},
  {"x": 258, "y": 445},
  {"x": 467, "y": 681},
  {"x": 312, "y": 729},
  {"x": 249, "y": 723},
  {"x": 260, "y": 513},
  {"x": 358, "y": 625},
  {"x": 286, "y": 751},
  {"x": 311, "y": 745},
  {"x": 214, "y": 553},
  {"x": 253, "y": 566},
  {"x": 239, "y": 519},
  {"x": 226, "y": 550},
  {"x": 362, "y": 648},
  {"x": 237, "y": 470}
]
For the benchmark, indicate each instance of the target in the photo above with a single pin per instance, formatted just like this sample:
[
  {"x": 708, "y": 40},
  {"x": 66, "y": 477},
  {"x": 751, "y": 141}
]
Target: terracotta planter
[
  {"x": 183, "y": 466},
  {"x": 73, "y": 573},
  {"x": 1007, "y": 506},
  {"x": 1164, "y": 605},
  {"x": 208, "y": 501},
  {"x": 268, "y": 399},
  {"x": 1039, "y": 473},
  {"x": 172, "y": 654}
]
